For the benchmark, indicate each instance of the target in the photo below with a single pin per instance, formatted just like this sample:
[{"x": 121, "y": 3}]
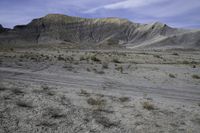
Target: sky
[{"x": 175, "y": 13}]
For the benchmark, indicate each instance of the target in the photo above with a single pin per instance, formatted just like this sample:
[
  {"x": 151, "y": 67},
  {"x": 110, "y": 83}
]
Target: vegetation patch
[
  {"x": 124, "y": 99},
  {"x": 54, "y": 113},
  {"x": 157, "y": 56},
  {"x": 60, "y": 58},
  {"x": 17, "y": 91},
  {"x": 175, "y": 54},
  {"x": 84, "y": 93},
  {"x": 95, "y": 59},
  {"x": 172, "y": 75},
  {"x": 2, "y": 88},
  {"x": 115, "y": 60},
  {"x": 120, "y": 69},
  {"x": 195, "y": 76},
  {"x": 148, "y": 106},
  {"x": 24, "y": 104},
  {"x": 105, "y": 122},
  {"x": 97, "y": 102},
  {"x": 98, "y": 72}
]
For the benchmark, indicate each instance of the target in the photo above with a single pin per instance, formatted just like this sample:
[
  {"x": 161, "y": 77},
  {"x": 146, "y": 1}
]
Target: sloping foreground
[{"x": 99, "y": 91}]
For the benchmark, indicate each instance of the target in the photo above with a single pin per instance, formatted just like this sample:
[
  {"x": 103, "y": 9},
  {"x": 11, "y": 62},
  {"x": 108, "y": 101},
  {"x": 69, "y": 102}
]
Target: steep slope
[
  {"x": 62, "y": 29},
  {"x": 2, "y": 29}
]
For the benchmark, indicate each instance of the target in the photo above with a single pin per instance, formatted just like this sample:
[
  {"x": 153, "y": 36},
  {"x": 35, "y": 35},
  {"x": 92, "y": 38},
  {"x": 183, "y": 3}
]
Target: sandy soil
[{"x": 63, "y": 91}]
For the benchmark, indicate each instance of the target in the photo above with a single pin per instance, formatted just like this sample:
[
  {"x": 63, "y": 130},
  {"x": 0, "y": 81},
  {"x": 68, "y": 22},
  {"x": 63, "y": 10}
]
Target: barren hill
[{"x": 62, "y": 29}]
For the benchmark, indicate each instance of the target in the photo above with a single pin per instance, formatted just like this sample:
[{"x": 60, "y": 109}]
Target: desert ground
[{"x": 57, "y": 90}]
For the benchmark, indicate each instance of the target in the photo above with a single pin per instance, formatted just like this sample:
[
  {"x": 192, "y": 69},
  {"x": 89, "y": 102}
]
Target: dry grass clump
[
  {"x": 116, "y": 60},
  {"x": 172, "y": 75},
  {"x": 97, "y": 101},
  {"x": 95, "y": 59},
  {"x": 24, "y": 104},
  {"x": 185, "y": 62},
  {"x": 124, "y": 99},
  {"x": 2, "y": 88},
  {"x": 45, "y": 87},
  {"x": 61, "y": 58},
  {"x": 68, "y": 67},
  {"x": 17, "y": 91},
  {"x": 84, "y": 93},
  {"x": 98, "y": 72},
  {"x": 54, "y": 113},
  {"x": 82, "y": 58},
  {"x": 148, "y": 106},
  {"x": 194, "y": 76},
  {"x": 120, "y": 69},
  {"x": 45, "y": 90},
  {"x": 175, "y": 54},
  {"x": 157, "y": 56},
  {"x": 106, "y": 122}
]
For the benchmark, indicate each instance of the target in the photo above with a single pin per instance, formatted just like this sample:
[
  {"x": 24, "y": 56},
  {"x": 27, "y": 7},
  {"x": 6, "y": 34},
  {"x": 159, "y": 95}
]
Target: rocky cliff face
[{"x": 56, "y": 29}]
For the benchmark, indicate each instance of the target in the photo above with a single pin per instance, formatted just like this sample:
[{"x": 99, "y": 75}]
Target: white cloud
[
  {"x": 127, "y": 4},
  {"x": 175, "y": 8},
  {"x": 131, "y": 4}
]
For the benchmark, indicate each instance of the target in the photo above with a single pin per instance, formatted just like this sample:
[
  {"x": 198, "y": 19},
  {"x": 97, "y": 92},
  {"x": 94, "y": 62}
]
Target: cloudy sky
[{"x": 176, "y": 13}]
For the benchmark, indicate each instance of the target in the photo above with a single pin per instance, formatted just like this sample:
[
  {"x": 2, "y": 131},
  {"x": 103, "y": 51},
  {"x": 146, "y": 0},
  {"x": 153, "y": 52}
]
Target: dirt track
[{"x": 99, "y": 83}]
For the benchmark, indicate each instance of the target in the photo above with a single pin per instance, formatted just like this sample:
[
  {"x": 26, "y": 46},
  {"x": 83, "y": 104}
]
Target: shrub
[
  {"x": 24, "y": 104},
  {"x": 2, "y": 88},
  {"x": 124, "y": 99},
  {"x": 175, "y": 54},
  {"x": 11, "y": 49},
  {"x": 94, "y": 58},
  {"x": 97, "y": 102},
  {"x": 82, "y": 58},
  {"x": 60, "y": 58},
  {"x": 185, "y": 62},
  {"x": 84, "y": 93},
  {"x": 157, "y": 56},
  {"x": 17, "y": 91},
  {"x": 172, "y": 75},
  {"x": 120, "y": 68},
  {"x": 195, "y": 76},
  {"x": 45, "y": 87},
  {"x": 148, "y": 106},
  {"x": 104, "y": 121},
  {"x": 115, "y": 60},
  {"x": 98, "y": 72},
  {"x": 54, "y": 113}
]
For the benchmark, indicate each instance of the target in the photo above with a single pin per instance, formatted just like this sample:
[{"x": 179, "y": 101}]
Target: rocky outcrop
[{"x": 56, "y": 29}]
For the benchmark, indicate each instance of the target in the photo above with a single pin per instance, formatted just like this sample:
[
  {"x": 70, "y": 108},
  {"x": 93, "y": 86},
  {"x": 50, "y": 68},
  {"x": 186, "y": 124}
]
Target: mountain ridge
[{"x": 63, "y": 29}]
